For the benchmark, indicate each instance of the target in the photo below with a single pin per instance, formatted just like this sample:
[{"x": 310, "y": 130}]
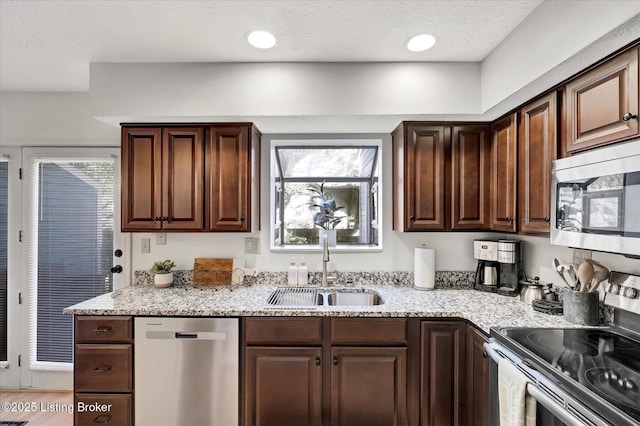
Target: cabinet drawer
[
  {"x": 103, "y": 368},
  {"x": 283, "y": 331},
  {"x": 92, "y": 409},
  {"x": 375, "y": 331},
  {"x": 99, "y": 329}
]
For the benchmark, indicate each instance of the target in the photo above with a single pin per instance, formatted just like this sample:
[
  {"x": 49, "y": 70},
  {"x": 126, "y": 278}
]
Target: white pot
[
  {"x": 331, "y": 236},
  {"x": 163, "y": 280}
]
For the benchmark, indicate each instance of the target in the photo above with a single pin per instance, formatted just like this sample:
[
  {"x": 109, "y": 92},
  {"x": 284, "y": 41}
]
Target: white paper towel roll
[{"x": 424, "y": 269}]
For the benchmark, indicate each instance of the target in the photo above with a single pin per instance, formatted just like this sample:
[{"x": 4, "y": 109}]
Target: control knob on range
[{"x": 630, "y": 293}]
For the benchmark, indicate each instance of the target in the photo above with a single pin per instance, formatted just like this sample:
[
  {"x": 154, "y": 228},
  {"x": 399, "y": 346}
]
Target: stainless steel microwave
[{"x": 595, "y": 199}]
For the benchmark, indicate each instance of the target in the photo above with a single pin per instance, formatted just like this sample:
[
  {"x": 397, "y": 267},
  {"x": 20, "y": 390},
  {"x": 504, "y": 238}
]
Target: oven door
[
  {"x": 596, "y": 200},
  {"x": 554, "y": 407}
]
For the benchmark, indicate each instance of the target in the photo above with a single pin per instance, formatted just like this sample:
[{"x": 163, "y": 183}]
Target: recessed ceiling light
[
  {"x": 261, "y": 39},
  {"x": 421, "y": 42}
]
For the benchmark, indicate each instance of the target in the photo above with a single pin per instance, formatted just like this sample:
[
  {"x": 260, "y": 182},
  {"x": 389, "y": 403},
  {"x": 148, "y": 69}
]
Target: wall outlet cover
[
  {"x": 251, "y": 245},
  {"x": 161, "y": 238},
  {"x": 579, "y": 256}
]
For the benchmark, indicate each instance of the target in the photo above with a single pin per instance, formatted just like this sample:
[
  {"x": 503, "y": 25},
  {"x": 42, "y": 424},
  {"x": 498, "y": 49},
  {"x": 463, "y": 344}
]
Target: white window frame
[{"x": 298, "y": 141}]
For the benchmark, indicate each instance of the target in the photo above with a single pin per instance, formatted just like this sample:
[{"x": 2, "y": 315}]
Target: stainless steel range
[{"x": 580, "y": 375}]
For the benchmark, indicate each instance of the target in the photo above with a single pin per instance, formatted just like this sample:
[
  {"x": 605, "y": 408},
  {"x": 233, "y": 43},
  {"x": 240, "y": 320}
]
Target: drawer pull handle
[
  {"x": 103, "y": 418},
  {"x": 102, "y": 369},
  {"x": 628, "y": 116},
  {"x": 103, "y": 329}
]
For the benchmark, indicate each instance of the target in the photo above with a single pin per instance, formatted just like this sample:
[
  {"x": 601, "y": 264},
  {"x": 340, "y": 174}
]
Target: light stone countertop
[{"x": 485, "y": 310}]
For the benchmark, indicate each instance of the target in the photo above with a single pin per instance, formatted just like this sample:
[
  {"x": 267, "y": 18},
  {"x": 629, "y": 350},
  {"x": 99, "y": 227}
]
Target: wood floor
[{"x": 39, "y": 408}]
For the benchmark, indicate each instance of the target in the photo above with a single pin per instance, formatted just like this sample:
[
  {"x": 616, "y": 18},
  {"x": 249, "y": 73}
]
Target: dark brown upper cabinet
[
  {"x": 470, "y": 147},
  {"x": 601, "y": 106},
  {"x": 190, "y": 179},
  {"x": 504, "y": 190},
  {"x": 538, "y": 145},
  {"x": 162, "y": 179},
  {"x": 233, "y": 178},
  {"x": 440, "y": 176}
]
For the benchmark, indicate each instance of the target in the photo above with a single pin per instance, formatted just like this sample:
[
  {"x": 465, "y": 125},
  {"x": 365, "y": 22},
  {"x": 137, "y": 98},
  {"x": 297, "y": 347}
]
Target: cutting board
[{"x": 212, "y": 271}]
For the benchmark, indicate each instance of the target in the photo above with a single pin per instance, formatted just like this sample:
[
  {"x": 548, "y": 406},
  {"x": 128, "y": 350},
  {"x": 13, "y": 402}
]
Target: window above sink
[{"x": 325, "y": 183}]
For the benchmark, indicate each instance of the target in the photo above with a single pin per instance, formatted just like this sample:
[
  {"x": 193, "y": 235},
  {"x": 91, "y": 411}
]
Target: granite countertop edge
[{"x": 484, "y": 310}]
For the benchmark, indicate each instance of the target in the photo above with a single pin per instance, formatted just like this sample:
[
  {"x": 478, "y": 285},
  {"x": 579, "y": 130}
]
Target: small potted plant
[
  {"x": 162, "y": 275},
  {"x": 325, "y": 218}
]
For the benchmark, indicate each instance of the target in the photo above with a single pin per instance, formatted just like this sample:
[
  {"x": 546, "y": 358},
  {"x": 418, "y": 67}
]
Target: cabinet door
[
  {"x": 141, "y": 179},
  {"x": 442, "y": 364},
  {"x": 504, "y": 154},
  {"x": 538, "y": 148},
  {"x": 228, "y": 159},
  {"x": 368, "y": 386},
  {"x": 477, "y": 379},
  {"x": 183, "y": 179},
  {"x": 283, "y": 386},
  {"x": 470, "y": 177},
  {"x": 597, "y": 102},
  {"x": 425, "y": 178}
]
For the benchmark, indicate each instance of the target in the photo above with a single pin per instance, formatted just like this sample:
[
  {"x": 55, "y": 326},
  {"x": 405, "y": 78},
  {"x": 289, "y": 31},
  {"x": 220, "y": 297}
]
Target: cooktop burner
[{"x": 601, "y": 360}]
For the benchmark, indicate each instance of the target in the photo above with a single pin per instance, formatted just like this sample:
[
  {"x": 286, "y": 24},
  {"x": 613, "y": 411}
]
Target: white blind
[
  {"x": 4, "y": 215},
  {"x": 71, "y": 256}
]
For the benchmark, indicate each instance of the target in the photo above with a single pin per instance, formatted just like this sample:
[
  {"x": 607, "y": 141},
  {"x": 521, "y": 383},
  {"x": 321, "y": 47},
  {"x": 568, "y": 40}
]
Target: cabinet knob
[
  {"x": 165, "y": 218},
  {"x": 157, "y": 219},
  {"x": 485, "y": 355},
  {"x": 335, "y": 361},
  {"x": 547, "y": 219},
  {"x": 509, "y": 219},
  {"x": 318, "y": 362},
  {"x": 412, "y": 218},
  {"x": 628, "y": 116},
  {"x": 241, "y": 218}
]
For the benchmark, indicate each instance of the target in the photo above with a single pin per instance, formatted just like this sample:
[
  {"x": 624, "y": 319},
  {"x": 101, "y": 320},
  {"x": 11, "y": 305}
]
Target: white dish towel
[{"x": 517, "y": 408}]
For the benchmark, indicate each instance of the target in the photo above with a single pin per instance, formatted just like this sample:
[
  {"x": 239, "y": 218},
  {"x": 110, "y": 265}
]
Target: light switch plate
[
  {"x": 145, "y": 245},
  {"x": 251, "y": 245},
  {"x": 579, "y": 256}
]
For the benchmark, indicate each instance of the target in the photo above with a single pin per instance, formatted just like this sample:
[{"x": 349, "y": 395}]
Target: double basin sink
[{"x": 292, "y": 296}]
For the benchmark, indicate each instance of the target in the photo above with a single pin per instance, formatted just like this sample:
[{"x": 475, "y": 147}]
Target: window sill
[{"x": 317, "y": 249}]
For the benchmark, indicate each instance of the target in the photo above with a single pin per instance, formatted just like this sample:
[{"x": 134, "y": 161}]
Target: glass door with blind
[{"x": 72, "y": 248}]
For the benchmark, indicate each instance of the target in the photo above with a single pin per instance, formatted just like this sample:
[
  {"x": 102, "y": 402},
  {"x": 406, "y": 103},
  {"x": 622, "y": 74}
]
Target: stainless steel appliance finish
[
  {"x": 596, "y": 200},
  {"x": 582, "y": 376},
  {"x": 186, "y": 371}
]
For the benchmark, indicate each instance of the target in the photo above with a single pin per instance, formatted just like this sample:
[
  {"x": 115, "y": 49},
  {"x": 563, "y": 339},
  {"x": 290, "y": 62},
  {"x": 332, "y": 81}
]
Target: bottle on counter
[
  {"x": 303, "y": 273},
  {"x": 293, "y": 273}
]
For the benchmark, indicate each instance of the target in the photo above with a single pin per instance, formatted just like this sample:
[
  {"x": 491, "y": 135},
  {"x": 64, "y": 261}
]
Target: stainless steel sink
[
  {"x": 351, "y": 298},
  {"x": 315, "y": 296}
]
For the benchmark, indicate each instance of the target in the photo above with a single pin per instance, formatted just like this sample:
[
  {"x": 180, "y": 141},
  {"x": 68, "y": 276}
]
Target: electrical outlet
[
  {"x": 251, "y": 245},
  {"x": 579, "y": 256},
  {"x": 145, "y": 245},
  {"x": 161, "y": 238}
]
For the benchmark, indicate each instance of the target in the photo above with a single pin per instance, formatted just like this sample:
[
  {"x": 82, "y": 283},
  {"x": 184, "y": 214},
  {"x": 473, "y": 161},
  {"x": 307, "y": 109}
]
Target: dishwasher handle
[{"x": 189, "y": 335}]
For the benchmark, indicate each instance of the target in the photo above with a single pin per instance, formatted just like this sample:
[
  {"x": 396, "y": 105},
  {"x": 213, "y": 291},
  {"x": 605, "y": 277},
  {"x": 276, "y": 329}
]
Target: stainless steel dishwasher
[{"x": 186, "y": 371}]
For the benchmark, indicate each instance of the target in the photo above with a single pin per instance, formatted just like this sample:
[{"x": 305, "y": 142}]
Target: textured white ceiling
[{"x": 48, "y": 45}]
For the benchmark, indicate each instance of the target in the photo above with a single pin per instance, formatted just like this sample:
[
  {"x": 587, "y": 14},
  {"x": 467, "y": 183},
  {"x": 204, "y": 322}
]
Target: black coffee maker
[{"x": 486, "y": 251}]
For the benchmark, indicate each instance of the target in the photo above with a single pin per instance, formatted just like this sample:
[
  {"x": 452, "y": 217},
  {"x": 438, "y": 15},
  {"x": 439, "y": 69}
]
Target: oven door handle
[{"x": 491, "y": 352}]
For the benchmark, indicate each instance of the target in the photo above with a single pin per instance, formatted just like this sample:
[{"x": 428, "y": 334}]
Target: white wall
[
  {"x": 547, "y": 40},
  {"x": 52, "y": 119}
]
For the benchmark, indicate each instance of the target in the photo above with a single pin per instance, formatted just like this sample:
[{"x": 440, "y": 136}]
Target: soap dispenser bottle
[
  {"x": 303, "y": 273},
  {"x": 293, "y": 273}
]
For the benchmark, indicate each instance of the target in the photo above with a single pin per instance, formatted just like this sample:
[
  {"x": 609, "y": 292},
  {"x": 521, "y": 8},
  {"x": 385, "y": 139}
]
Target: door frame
[
  {"x": 10, "y": 370},
  {"x": 43, "y": 375}
]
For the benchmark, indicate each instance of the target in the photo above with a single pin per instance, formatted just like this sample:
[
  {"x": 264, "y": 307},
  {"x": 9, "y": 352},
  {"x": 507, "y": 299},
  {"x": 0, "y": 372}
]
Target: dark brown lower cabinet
[
  {"x": 477, "y": 375},
  {"x": 442, "y": 394},
  {"x": 368, "y": 386},
  {"x": 283, "y": 386}
]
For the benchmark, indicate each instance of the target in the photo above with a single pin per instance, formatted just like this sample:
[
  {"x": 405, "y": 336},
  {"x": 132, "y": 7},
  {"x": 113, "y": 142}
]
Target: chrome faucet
[{"x": 325, "y": 260}]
